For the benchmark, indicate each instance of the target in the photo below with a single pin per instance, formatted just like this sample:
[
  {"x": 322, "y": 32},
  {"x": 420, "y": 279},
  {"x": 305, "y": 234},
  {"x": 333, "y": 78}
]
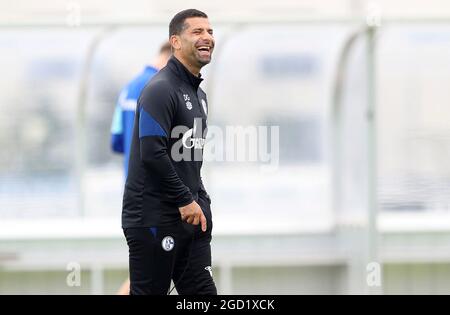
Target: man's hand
[{"x": 193, "y": 214}]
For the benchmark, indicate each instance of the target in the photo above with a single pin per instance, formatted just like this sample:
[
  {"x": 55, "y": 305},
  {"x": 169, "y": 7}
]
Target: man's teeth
[{"x": 203, "y": 48}]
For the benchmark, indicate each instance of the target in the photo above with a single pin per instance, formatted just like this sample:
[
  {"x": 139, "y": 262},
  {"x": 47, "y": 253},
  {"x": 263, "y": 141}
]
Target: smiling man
[{"x": 166, "y": 213}]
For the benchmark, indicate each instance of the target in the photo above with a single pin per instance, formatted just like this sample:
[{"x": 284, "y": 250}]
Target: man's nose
[{"x": 209, "y": 38}]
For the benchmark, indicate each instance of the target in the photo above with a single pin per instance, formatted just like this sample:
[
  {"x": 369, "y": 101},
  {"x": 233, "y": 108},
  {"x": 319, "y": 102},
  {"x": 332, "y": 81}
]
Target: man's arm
[{"x": 156, "y": 112}]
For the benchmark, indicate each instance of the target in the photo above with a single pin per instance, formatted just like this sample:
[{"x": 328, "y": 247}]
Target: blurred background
[{"x": 360, "y": 90}]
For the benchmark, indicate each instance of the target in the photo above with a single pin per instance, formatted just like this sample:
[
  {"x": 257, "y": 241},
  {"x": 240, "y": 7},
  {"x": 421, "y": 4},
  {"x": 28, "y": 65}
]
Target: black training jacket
[{"x": 167, "y": 148}]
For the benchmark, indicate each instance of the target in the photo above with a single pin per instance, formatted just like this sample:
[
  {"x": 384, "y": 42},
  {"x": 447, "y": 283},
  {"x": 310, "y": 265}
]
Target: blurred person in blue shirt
[{"x": 123, "y": 120}]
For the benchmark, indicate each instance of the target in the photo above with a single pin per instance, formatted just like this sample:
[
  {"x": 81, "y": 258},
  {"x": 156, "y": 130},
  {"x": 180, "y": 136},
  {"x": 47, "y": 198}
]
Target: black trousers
[{"x": 180, "y": 252}]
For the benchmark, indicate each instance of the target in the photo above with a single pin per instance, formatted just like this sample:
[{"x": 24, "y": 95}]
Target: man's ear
[{"x": 175, "y": 41}]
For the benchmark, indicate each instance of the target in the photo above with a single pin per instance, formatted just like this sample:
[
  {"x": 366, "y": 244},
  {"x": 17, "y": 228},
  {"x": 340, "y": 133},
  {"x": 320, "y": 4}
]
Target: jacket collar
[{"x": 179, "y": 69}]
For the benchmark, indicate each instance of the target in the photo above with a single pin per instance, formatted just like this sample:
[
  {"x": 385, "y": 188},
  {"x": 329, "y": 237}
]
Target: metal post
[
  {"x": 226, "y": 278},
  {"x": 97, "y": 280},
  {"x": 81, "y": 147},
  {"x": 372, "y": 204}
]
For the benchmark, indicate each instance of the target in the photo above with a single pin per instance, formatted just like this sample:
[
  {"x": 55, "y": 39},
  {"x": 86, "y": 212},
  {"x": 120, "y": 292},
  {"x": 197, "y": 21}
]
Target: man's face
[{"x": 197, "y": 41}]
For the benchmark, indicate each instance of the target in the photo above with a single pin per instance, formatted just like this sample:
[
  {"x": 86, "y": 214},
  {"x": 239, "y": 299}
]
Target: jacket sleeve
[{"x": 156, "y": 111}]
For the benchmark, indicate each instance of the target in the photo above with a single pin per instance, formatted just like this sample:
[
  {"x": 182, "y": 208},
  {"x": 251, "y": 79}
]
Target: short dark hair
[{"x": 177, "y": 24}]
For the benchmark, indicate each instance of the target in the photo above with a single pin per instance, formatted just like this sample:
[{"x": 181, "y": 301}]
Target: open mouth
[{"x": 204, "y": 50}]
